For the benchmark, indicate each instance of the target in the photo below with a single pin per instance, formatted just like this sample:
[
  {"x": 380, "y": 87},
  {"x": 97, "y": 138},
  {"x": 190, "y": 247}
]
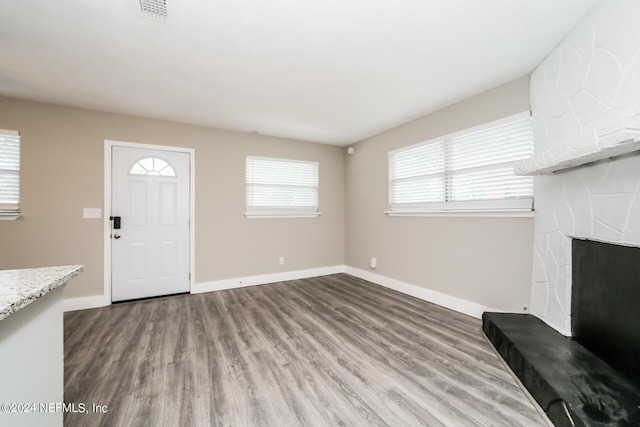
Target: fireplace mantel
[{"x": 562, "y": 158}]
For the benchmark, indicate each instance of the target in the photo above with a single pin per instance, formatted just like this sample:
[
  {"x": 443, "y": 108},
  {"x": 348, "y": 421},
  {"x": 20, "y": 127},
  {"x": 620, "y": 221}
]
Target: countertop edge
[{"x": 65, "y": 273}]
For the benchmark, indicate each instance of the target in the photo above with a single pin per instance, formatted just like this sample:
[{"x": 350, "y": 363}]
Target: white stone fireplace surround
[{"x": 585, "y": 100}]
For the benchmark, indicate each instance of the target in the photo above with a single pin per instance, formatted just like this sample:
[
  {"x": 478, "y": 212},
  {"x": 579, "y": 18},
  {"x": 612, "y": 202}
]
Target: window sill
[
  {"x": 479, "y": 213},
  {"x": 9, "y": 216},
  {"x": 289, "y": 215}
]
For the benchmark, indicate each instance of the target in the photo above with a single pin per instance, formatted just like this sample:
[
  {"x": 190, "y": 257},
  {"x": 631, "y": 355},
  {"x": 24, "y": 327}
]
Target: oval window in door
[{"x": 153, "y": 166}]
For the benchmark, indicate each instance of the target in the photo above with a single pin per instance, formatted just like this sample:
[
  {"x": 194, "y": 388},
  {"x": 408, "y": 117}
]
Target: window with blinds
[
  {"x": 9, "y": 173},
  {"x": 469, "y": 171},
  {"x": 279, "y": 187}
]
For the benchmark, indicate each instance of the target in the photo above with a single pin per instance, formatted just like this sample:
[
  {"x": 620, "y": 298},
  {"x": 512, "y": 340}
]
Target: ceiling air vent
[{"x": 155, "y": 9}]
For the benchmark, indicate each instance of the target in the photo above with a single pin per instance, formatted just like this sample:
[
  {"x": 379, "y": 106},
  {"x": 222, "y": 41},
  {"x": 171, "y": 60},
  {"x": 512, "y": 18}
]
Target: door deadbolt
[
  {"x": 116, "y": 236},
  {"x": 116, "y": 222}
]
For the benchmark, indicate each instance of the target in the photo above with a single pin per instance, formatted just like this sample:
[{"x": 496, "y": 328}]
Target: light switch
[{"x": 91, "y": 213}]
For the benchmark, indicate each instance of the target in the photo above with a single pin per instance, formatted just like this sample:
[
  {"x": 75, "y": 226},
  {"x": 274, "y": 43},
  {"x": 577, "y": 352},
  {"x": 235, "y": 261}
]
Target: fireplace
[
  {"x": 593, "y": 377},
  {"x": 605, "y": 303},
  {"x": 587, "y": 167}
]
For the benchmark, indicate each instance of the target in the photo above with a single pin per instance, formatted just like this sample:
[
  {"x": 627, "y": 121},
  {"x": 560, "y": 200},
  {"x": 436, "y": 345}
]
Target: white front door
[{"x": 150, "y": 200}]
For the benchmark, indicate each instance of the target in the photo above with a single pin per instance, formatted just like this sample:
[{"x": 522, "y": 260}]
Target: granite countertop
[{"x": 19, "y": 288}]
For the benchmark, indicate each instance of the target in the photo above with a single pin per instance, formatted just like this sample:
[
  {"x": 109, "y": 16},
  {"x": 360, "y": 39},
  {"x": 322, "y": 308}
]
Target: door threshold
[{"x": 157, "y": 297}]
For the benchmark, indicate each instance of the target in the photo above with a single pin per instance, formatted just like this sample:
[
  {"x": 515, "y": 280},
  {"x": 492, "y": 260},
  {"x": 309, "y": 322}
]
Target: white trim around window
[
  {"x": 281, "y": 188},
  {"x": 467, "y": 173},
  {"x": 9, "y": 174}
]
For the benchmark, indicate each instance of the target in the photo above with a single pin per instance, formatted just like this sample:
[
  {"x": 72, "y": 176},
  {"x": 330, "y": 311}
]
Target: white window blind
[
  {"x": 470, "y": 171},
  {"x": 9, "y": 172},
  {"x": 278, "y": 187}
]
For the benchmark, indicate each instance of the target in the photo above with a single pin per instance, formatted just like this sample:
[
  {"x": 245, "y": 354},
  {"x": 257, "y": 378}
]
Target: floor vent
[{"x": 155, "y": 9}]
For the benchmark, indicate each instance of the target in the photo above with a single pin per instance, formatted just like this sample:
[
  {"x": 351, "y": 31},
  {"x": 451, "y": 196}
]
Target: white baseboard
[
  {"x": 263, "y": 279},
  {"x": 448, "y": 301},
  {"x": 84, "y": 303},
  {"x": 454, "y": 303}
]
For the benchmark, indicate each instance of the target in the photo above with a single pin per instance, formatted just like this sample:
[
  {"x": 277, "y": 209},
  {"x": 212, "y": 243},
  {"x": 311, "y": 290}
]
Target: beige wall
[
  {"x": 63, "y": 171},
  {"x": 483, "y": 260}
]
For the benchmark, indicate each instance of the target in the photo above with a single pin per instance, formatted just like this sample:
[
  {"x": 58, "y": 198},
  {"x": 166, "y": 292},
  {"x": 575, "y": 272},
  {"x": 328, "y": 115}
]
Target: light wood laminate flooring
[{"x": 328, "y": 351}]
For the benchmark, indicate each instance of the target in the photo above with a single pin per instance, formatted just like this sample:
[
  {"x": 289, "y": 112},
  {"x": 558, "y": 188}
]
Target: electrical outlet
[
  {"x": 281, "y": 260},
  {"x": 373, "y": 262}
]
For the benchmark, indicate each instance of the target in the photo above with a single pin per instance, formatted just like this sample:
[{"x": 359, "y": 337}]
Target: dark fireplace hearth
[{"x": 592, "y": 378}]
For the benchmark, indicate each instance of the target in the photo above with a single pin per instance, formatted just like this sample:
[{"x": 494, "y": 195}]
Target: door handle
[{"x": 116, "y": 236}]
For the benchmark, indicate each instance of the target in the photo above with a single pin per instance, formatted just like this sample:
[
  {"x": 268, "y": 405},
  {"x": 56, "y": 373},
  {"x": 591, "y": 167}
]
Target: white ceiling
[{"x": 332, "y": 71}]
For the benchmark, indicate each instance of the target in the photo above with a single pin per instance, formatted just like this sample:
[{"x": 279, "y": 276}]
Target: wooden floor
[{"x": 328, "y": 351}]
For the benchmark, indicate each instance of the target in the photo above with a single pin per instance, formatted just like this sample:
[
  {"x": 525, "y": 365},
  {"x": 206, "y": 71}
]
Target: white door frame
[{"x": 108, "y": 144}]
